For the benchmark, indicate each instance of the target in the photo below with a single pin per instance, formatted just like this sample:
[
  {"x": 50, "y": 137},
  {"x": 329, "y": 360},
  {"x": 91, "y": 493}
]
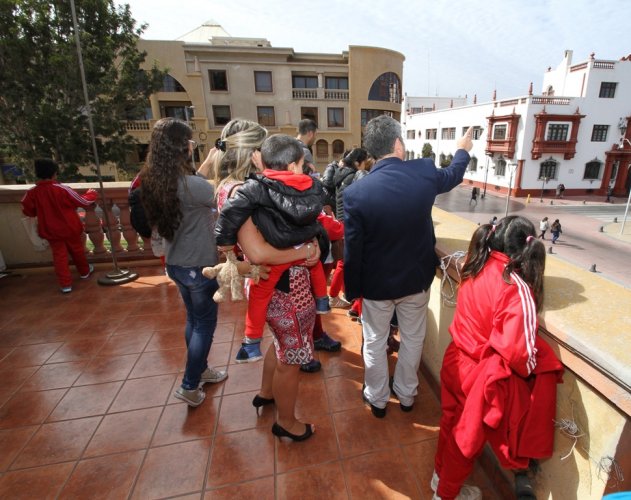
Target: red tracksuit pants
[
  {"x": 261, "y": 294},
  {"x": 451, "y": 465},
  {"x": 60, "y": 249}
]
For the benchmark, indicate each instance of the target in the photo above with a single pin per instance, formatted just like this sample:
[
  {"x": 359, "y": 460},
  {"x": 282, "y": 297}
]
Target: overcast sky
[{"x": 451, "y": 48}]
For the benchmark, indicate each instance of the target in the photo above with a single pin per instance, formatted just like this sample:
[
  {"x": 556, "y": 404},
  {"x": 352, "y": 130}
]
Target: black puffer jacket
[
  {"x": 284, "y": 215},
  {"x": 328, "y": 184},
  {"x": 343, "y": 178}
]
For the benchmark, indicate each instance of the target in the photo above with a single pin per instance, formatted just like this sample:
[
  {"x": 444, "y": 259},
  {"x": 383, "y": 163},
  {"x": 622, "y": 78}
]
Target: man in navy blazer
[{"x": 389, "y": 255}]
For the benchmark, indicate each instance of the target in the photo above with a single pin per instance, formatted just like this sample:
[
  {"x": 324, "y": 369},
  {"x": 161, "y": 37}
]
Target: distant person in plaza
[
  {"x": 496, "y": 351},
  {"x": 307, "y": 130},
  {"x": 390, "y": 259},
  {"x": 609, "y": 193},
  {"x": 179, "y": 204},
  {"x": 556, "y": 230},
  {"x": 474, "y": 195},
  {"x": 560, "y": 190},
  {"x": 55, "y": 206},
  {"x": 543, "y": 227}
]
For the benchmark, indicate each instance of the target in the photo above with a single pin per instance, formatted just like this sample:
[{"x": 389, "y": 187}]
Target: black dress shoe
[
  {"x": 377, "y": 412},
  {"x": 259, "y": 401},
  {"x": 404, "y": 408}
]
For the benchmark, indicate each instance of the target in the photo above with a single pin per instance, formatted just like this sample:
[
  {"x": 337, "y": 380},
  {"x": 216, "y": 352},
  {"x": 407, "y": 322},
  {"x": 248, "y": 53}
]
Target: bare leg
[
  {"x": 269, "y": 365},
  {"x": 285, "y": 390}
]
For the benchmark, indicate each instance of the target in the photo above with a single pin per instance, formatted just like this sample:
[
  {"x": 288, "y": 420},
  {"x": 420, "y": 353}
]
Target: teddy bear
[{"x": 228, "y": 278}]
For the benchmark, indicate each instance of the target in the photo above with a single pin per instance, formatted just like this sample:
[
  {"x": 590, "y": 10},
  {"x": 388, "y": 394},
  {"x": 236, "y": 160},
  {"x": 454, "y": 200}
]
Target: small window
[
  {"x": 304, "y": 82},
  {"x": 448, "y": 134},
  {"x": 548, "y": 169},
  {"x": 309, "y": 112},
  {"x": 336, "y": 82},
  {"x": 218, "y": 79},
  {"x": 322, "y": 149},
  {"x": 222, "y": 115},
  {"x": 263, "y": 81},
  {"x": 473, "y": 164},
  {"x": 557, "y": 131},
  {"x": 476, "y": 133},
  {"x": 411, "y": 134},
  {"x": 499, "y": 131},
  {"x": 592, "y": 170},
  {"x": 265, "y": 115},
  {"x": 608, "y": 90},
  {"x": 599, "y": 133},
  {"x": 500, "y": 167},
  {"x": 335, "y": 117},
  {"x": 431, "y": 134},
  {"x": 338, "y": 147}
]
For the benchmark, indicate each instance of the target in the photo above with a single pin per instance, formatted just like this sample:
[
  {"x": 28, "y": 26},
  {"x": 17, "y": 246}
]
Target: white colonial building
[{"x": 576, "y": 132}]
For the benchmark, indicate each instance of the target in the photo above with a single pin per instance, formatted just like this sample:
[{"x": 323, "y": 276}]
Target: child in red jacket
[{"x": 55, "y": 206}]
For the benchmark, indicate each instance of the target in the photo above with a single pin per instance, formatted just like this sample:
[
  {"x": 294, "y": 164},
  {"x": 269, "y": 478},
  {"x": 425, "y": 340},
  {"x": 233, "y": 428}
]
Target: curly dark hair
[
  {"x": 168, "y": 159},
  {"x": 516, "y": 237}
]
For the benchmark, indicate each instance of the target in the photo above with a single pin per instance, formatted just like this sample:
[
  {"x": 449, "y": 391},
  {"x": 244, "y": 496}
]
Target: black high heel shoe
[
  {"x": 280, "y": 432},
  {"x": 259, "y": 401}
]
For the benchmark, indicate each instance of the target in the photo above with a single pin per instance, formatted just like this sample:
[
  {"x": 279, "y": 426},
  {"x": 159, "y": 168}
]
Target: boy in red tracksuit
[
  {"x": 498, "y": 378},
  {"x": 284, "y": 204},
  {"x": 55, "y": 206}
]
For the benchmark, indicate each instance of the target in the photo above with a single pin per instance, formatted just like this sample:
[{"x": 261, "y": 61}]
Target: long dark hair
[
  {"x": 515, "y": 237},
  {"x": 168, "y": 159},
  {"x": 355, "y": 157}
]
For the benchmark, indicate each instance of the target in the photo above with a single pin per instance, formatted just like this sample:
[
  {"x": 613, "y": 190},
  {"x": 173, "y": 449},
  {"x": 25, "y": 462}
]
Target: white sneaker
[
  {"x": 212, "y": 376},
  {"x": 339, "y": 303},
  {"x": 467, "y": 492}
]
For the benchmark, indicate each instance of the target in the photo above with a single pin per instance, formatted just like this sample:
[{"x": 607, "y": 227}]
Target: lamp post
[
  {"x": 486, "y": 174},
  {"x": 543, "y": 186},
  {"x": 626, "y": 210},
  {"x": 511, "y": 169}
]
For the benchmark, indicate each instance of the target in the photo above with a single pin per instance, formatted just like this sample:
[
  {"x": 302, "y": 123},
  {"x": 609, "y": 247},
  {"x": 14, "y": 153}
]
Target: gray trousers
[{"x": 376, "y": 316}]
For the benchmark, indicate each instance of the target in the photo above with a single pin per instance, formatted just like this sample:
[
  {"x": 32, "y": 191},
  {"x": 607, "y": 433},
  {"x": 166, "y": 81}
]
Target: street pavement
[{"x": 590, "y": 235}]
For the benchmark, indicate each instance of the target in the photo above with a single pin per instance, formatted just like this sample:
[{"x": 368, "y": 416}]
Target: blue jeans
[{"x": 201, "y": 319}]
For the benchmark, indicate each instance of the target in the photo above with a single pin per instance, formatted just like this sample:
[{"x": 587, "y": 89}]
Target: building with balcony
[
  {"x": 214, "y": 78},
  {"x": 575, "y": 132}
]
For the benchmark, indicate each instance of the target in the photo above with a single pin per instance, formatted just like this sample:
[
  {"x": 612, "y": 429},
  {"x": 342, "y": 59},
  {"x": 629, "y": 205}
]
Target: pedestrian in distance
[
  {"x": 474, "y": 195},
  {"x": 609, "y": 193},
  {"x": 543, "y": 227},
  {"x": 556, "y": 230}
]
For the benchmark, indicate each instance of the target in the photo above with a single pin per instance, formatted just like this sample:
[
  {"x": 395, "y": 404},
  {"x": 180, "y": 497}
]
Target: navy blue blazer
[{"x": 388, "y": 230}]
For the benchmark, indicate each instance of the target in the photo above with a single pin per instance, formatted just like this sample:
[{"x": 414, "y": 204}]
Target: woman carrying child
[{"x": 498, "y": 378}]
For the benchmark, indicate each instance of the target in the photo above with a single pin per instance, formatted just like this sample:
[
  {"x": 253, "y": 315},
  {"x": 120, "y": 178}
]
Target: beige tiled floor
[{"x": 86, "y": 407}]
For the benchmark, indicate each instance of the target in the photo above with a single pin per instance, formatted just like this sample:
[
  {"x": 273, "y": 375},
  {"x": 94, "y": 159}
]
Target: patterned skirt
[{"x": 291, "y": 317}]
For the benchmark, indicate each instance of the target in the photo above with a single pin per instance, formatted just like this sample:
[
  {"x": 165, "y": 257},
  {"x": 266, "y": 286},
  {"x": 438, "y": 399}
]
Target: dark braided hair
[{"x": 515, "y": 237}]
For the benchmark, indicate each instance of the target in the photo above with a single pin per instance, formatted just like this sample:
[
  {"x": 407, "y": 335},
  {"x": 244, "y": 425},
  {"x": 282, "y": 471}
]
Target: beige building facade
[{"x": 214, "y": 78}]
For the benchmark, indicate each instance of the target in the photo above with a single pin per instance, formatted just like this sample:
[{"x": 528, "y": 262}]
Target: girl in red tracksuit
[
  {"x": 498, "y": 379},
  {"x": 55, "y": 206}
]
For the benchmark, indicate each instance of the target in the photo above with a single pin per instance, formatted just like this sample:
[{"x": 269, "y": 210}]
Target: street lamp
[
  {"x": 511, "y": 169},
  {"x": 626, "y": 210},
  {"x": 486, "y": 173},
  {"x": 543, "y": 186}
]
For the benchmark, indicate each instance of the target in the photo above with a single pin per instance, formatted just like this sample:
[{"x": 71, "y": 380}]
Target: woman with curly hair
[{"x": 179, "y": 204}]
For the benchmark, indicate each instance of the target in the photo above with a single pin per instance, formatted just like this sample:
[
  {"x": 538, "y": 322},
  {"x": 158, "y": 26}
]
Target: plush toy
[{"x": 228, "y": 278}]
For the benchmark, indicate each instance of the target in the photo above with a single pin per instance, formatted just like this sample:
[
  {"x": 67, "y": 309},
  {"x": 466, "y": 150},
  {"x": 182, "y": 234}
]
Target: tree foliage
[
  {"x": 41, "y": 95},
  {"x": 427, "y": 150}
]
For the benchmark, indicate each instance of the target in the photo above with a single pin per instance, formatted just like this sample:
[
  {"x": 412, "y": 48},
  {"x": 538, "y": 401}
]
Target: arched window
[
  {"x": 387, "y": 87},
  {"x": 500, "y": 167},
  {"x": 473, "y": 164},
  {"x": 338, "y": 147},
  {"x": 322, "y": 149},
  {"x": 170, "y": 84}
]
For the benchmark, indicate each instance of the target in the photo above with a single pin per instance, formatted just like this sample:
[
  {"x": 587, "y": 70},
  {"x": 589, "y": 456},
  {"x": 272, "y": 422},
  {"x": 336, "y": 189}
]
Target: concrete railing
[
  {"x": 587, "y": 321},
  {"x": 18, "y": 252}
]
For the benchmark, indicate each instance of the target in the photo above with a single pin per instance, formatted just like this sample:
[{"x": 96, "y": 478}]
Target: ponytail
[{"x": 478, "y": 252}]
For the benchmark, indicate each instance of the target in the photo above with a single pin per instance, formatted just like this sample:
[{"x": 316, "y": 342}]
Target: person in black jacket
[
  {"x": 328, "y": 182},
  {"x": 284, "y": 204}
]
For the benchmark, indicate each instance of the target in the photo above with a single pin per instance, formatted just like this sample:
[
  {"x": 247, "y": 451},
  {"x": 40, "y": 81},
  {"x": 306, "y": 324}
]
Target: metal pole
[
  {"x": 626, "y": 210},
  {"x": 118, "y": 276},
  {"x": 486, "y": 175},
  {"x": 510, "y": 183}
]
